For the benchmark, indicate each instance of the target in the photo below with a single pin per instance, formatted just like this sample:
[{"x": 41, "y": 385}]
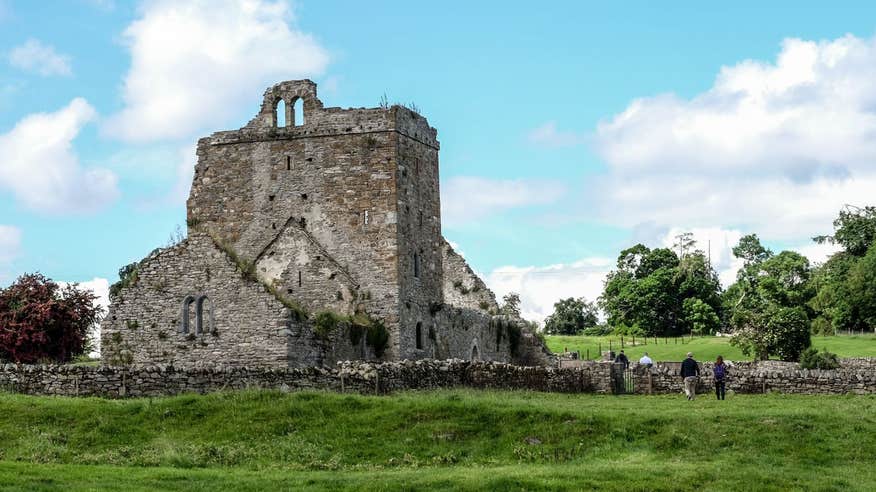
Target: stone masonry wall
[
  {"x": 364, "y": 377},
  {"x": 462, "y": 287},
  {"x": 242, "y": 323}
]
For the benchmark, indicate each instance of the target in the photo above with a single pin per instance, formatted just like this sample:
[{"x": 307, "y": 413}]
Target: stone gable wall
[
  {"x": 461, "y": 286},
  {"x": 243, "y": 323}
]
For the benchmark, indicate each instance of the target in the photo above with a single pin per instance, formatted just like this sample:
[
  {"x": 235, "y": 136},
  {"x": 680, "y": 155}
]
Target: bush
[
  {"x": 39, "y": 320},
  {"x": 811, "y": 358}
]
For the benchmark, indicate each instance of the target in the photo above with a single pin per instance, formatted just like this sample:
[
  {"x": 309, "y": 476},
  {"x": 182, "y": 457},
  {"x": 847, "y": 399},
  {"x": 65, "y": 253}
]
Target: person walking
[
  {"x": 720, "y": 373},
  {"x": 690, "y": 372},
  {"x": 646, "y": 361},
  {"x": 622, "y": 358}
]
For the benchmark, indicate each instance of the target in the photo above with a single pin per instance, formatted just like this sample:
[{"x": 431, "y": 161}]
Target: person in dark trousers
[
  {"x": 622, "y": 358},
  {"x": 720, "y": 373},
  {"x": 690, "y": 371}
]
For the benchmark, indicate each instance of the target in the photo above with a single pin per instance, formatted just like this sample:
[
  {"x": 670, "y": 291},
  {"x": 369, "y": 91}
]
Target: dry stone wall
[{"x": 381, "y": 378}]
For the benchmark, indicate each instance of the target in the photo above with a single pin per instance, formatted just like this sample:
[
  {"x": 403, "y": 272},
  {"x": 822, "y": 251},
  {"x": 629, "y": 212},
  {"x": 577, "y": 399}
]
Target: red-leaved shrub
[{"x": 40, "y": 320}]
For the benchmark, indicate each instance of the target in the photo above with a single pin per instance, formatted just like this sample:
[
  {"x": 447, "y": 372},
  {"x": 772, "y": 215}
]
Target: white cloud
[
  {"x": 817, "y": 253},
  {"x": 194, "y": 64},
  {"x": 772, "y": 148},
  {"x": 541, "y": 287},
  {"x": 468, "y": 199},
  {"x": 548, "y": 136},
  {"x": 185, "y": 172},
  {"x": 718, "y": 245},
  {"x": 39, "y": 167},
  {"x": 40, "y": 58},
  {"x": 99, "y": 287}
]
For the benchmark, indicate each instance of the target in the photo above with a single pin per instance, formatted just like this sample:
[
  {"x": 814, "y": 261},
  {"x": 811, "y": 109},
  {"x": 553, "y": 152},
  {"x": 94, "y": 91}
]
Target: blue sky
[{"x": 569, "y": 130}]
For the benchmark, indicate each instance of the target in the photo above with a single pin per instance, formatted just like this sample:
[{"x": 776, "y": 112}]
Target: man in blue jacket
[{"x": 690, "y": 371}]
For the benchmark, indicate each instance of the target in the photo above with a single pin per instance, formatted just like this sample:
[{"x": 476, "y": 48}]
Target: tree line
[{"x": 776, "y": 302}]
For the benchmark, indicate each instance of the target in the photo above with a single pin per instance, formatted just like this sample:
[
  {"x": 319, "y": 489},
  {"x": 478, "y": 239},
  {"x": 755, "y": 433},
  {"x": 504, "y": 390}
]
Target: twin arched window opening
[
  {"x": 286, "y": 115},
  {"x": 203, "y": 313}
]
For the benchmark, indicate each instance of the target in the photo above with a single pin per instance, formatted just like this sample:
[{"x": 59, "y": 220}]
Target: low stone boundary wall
[{"x": 855, "y": 376}]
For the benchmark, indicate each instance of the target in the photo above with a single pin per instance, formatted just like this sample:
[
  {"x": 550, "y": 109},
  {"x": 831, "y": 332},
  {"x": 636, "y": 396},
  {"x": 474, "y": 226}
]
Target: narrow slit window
[
  {"x": 299, "y": 278},
  {"x": 288, "y": 163},
  {"x": 419, "y": 336},
  {"x": 416, "y": 265}
]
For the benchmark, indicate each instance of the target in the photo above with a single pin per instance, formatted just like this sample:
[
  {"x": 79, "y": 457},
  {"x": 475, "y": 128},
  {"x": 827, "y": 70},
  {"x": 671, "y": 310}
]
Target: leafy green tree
[
  {"x": 767, "y": 306},
  {"x": 511, "y": 305},
  {"x": 701, "y": 318},
  {"x": 647, "y": 291},
  {"x": 862, "y": 288},
  {"x": 854, "y": 230},
  {"x": 571, "y": 316},
  {"x": 844, "y": 284}
]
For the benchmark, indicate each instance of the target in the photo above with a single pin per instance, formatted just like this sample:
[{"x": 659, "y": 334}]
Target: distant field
[
  {"x": 704, "y": 348},
  {"x": 438, "y": 440}
]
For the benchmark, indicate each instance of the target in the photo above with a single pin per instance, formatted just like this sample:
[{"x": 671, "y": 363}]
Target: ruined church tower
[{"x": 340, "y": 211}]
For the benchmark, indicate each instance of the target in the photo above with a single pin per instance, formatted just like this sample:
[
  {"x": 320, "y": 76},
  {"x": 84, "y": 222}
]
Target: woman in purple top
[{"x": 720, "y": 372}]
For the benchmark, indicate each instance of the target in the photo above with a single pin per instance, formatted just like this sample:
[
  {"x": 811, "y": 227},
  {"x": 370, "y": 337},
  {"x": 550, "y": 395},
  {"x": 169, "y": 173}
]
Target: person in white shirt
[{"x": 646, "y": 361}]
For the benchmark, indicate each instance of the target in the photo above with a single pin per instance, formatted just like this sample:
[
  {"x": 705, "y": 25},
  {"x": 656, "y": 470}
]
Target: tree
[
  {"x": 854, "y": 230},
  {"x": 700, "y": 317},
  {"x": 511, "y": 305},
  {"x": 845, "y": 286},
  {"x": 571, "y": 316},
  {"x": 861, "y": 286},
  {"x": 776, "y": 330},
  {"x": 648, "y": 291},
  {"x": 39, "y": 320},
  {"x": 768, "y": 305},
  {"x": 684, "y": 242}
]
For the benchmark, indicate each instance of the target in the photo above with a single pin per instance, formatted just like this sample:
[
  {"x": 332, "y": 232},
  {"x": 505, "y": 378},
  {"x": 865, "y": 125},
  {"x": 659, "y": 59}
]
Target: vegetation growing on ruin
[
  {"x": 247, "y": 270},
  {"x": 450, "y": 440},
  {"x": 128, "y": 276}
]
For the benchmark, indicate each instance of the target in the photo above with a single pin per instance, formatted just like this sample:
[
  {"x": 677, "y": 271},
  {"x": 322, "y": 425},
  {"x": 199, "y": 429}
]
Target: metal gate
[{"x": 622, "y": 379}]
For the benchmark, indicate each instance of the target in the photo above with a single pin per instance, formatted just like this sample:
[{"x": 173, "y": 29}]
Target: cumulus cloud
[
  {"x": 775, "y": 148},
  {"x": 542, "y": 286},
  {"x": 39, "y": 167},
  {"x": 193, "y": 64},
  {"x": 468, "y": 199},
  {"x": 99, "y": 287},
  {"x": 37, "y": 57},
  {"x": 547, "y": 135},
  {"x": 717, "y": 243}
]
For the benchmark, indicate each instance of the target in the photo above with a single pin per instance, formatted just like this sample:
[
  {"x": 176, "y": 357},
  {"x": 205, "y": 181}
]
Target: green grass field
[
  {"x": 704, "y": 348},
  {"x": 443, "y": 440}
]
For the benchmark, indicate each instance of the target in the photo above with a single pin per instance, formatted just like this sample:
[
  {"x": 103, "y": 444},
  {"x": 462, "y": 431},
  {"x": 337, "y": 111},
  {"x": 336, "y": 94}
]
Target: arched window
[
  {"x": 298, "y": 112},
  {"x": 475, "y": 355},
  {"x": 281, "y": 114},
  {"x": 185, "y": 315},
  {"x": 204, "y": 315},
  {"x": 419, "y": 336}
]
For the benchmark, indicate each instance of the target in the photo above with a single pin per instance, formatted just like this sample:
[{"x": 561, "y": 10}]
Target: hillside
[{"x": 443, "y": 439}]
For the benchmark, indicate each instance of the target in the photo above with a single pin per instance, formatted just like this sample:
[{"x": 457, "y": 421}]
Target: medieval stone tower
[
  {"x": 338, "y": 211},
  {"x": 333, "y": 210}
]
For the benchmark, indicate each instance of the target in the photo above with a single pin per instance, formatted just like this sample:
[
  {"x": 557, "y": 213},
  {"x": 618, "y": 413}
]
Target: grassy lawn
[
  {"x": 704, "y": 348},
  {"x": 445, "y": 440}
]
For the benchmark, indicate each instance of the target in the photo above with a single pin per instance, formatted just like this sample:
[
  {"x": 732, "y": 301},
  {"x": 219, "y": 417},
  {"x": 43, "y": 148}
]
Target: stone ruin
[{"x": 310, "y": 243}]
